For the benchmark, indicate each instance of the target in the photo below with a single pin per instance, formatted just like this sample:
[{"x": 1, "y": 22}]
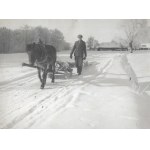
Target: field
[{"x": 102, "y": 97}]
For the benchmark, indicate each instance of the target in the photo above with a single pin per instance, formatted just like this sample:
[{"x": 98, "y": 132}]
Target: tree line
[
  {"x": 12, "y": 41},
  {"x": 136, "y": 31}
]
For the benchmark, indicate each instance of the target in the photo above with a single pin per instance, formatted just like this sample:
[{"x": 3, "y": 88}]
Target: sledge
[
  {"x": 65, "y": 68},
  {"x": 61, "y": 68}
]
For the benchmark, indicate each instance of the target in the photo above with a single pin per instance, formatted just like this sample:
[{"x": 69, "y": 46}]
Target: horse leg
[
  {"x": 53, "y": 73},
  {"x": 39, "y": 75},
  {"x": 44, "y": 79}
]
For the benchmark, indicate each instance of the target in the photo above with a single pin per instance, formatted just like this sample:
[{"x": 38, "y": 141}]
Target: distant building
[
  {"x": 145, "y": 46},
  {"x": 113, "y": 46}
]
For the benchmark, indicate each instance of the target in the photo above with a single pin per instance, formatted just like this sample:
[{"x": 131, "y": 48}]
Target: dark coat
[{"x": 79, "y": 49}]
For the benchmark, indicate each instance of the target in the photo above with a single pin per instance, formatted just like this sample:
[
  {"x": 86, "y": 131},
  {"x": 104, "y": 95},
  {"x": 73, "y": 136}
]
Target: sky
[{"x": 104, "y": 30}]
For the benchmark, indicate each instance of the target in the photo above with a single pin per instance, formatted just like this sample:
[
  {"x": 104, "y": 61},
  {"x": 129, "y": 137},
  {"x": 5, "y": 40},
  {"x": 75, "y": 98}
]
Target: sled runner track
[
  {"x": 49, "y": 100},
  {"x": 65, "y": 100},
  {"x": 22, "y": 79},
  {"x": 16, "y": 84},
  {"x": 51, "y": 104},
  {"x": 27, "y": 108}
]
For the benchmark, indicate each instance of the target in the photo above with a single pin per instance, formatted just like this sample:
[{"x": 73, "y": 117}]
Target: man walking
[{"x": 79, "y": 50}]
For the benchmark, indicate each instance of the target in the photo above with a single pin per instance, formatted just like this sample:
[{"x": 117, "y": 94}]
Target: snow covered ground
[{"x": 102, "y": 97}]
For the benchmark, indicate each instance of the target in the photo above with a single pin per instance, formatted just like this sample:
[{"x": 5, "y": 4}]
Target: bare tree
[
  {"x": 132, "y": 28},
  {"x": 96, "y": 44},
  {"x": 92, "y": 43}
]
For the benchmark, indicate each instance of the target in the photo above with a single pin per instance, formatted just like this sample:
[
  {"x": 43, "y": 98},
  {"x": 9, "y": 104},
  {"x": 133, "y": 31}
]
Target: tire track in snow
[
  {"x": 53, "y": 103},
  {"x": 30, "y": 110},
  {"x": 17, "y": 81},
  {"x": 66, "y": 99}
]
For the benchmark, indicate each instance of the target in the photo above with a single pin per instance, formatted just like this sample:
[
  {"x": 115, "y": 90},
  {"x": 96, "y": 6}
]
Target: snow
[{"x": 102, "y": 97}]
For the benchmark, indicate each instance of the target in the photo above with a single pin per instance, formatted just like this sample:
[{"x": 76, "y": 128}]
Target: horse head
[
  {"x": 30, "y": 49},
  {"x": 34, "y": 52}
]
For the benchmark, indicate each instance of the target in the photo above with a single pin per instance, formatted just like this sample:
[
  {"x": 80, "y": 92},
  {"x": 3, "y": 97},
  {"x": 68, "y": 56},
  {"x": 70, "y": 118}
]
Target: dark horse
[{"x": 45, "y": 59}]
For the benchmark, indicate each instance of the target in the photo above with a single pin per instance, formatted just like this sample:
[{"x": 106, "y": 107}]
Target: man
[
  {"x": 40, "y": 41},
  {"x": 41, "y": 44},
  {"x": 79, "y": 50}
]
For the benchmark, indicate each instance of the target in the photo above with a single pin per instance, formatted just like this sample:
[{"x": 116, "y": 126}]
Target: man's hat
[{"x": 79, "y": 36}]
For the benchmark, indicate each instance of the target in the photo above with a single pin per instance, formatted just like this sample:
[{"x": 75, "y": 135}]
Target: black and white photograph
[{"x": 74, "y": 73}]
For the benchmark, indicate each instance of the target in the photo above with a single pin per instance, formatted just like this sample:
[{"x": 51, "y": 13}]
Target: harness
[{"x": 42, "y": 62}]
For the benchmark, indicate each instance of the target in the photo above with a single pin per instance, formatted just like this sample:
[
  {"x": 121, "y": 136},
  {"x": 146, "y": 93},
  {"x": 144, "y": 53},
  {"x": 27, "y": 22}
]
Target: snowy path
[{"x": 100, "y": 98}]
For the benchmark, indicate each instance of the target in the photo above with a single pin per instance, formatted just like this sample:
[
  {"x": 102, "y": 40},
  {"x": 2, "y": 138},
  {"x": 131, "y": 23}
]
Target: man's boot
[{"x": 79, "y": 71}]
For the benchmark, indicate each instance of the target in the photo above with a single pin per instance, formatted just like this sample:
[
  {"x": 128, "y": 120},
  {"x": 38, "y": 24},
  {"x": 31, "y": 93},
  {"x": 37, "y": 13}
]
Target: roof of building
[{"x": 110, "y": 45}]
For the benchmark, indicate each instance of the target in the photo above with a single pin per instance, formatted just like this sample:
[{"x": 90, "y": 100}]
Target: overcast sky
[{"x": 102, "y": 29}]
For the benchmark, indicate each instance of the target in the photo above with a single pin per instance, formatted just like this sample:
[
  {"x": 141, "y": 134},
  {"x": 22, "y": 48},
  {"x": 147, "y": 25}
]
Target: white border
[
  {"x": 77, "y": 9},
  {"x": 74, "y": 139}
]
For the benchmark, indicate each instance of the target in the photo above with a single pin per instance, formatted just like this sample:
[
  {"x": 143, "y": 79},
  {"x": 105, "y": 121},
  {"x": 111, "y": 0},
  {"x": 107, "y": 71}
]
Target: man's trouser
[{"x": 79, "y": 63}]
